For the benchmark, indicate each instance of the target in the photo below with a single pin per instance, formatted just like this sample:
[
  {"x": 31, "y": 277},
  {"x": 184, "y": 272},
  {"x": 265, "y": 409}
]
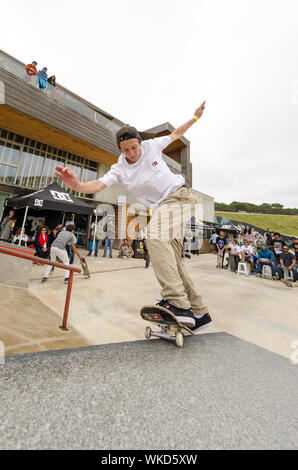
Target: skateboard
[
  {"x": 167, "y": 323},
  {"x": 85, "y": 268}
]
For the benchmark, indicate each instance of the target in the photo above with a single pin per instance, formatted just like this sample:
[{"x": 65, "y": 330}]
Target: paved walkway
[
  {"x": 105, "y": 308},
  {"x": 218, "y": 392}
]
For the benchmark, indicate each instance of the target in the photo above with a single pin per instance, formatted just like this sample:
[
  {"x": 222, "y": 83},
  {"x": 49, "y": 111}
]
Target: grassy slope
[{"x": 286, "y": 224}]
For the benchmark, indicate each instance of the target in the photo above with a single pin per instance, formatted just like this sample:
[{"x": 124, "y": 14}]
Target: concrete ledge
[{"x": 16, "y": 271}]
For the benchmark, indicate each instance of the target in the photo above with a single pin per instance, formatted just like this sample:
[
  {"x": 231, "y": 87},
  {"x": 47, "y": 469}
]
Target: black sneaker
[
  {"x": 201, "y": 322},
  {"x": 66, "y": 281},
  {"x": 44, "y": 279},
  {"x": 184, "y": 316}
]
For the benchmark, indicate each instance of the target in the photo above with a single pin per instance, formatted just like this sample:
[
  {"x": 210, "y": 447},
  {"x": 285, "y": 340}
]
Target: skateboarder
[
  {"x": 58, "y": 249},
  {"x": 142, "y": 171}
]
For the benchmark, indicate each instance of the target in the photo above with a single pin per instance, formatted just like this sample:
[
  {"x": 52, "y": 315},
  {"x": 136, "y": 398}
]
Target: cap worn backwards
[{"x": 126, "y": 133}]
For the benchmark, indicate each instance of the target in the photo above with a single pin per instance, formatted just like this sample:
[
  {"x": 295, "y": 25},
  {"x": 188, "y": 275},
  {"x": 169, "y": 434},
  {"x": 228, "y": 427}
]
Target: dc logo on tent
[{"x": 61, "y": 196}]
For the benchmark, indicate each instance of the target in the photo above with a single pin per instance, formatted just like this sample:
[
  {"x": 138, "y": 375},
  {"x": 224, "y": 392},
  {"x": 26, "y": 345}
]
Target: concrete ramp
[
  {"x": 218, "y": 392},
  {"x": 27, "y": 325}
]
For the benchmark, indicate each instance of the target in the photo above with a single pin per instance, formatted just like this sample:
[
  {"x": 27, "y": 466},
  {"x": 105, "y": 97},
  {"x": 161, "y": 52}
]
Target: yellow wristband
[{"x": 195, "y": 117}]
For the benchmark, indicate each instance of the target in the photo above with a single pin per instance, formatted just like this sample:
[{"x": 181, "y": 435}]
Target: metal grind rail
[{"x": 19, "y": 254}]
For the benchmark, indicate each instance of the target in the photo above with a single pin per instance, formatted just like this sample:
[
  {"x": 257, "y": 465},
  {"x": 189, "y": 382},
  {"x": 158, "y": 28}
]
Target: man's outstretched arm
[
  {"x": 180, "y": 131},
  {"x": 72, "y": 181}
]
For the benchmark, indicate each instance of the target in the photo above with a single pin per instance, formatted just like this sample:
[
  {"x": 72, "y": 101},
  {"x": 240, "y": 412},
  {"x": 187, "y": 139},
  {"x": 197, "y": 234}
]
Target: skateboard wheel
[
  {"x": 148, "y": 332},
  {"x": 179, "y": 339}
]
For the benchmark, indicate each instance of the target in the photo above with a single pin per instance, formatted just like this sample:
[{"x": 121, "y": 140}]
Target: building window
[
  {"x": 32, "y": 165},
  {"x": 9, "y": 153},
  {"x": 7, "y": 174},
  {"x": 30, "y": 168}
]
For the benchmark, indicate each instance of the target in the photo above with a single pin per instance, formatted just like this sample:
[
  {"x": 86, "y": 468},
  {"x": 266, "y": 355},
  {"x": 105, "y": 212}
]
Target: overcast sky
[{"x": 148, "y": 62}]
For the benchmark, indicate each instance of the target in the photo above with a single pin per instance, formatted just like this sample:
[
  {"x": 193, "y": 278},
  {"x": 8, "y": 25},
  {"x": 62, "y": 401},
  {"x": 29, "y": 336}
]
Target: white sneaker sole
[
  {"x": 202, "y": 327},
  {"x": 187, "y": 321}
]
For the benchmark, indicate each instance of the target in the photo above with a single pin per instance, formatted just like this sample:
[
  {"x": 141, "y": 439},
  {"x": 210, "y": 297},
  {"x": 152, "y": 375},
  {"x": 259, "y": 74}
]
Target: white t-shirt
[
  {"x": 234, "y": 248},
  {"x": 149, "y": 179},
  {"x": 248, "y": 250}
]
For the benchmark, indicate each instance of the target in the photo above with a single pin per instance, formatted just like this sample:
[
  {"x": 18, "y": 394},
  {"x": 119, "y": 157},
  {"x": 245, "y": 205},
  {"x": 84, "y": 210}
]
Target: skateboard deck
[
  {"x": 219, "y": 260},
  {"x": 166, "y": 321},
  {"x": 85, "y": 268}
]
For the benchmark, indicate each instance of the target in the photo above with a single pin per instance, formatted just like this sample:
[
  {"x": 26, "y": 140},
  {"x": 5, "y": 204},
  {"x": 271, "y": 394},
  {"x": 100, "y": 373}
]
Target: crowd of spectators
[{"x": 268, "y": 250}]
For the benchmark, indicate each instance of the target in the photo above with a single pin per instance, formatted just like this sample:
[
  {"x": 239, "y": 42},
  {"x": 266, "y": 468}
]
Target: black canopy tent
[
  {"x": 230, "y": 228},
  {"x": 53, "y": 197}
]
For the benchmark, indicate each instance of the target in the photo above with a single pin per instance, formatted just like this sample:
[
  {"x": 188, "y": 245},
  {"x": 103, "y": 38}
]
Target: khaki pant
[{"x": 164, "y": 239}]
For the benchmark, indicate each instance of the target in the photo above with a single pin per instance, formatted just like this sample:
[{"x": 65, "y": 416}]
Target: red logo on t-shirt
[{"x": 154, "y": 163}]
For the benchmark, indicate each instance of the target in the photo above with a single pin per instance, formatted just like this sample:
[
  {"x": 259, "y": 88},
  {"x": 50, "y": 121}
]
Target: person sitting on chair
[
  {"x": 125, "y": 250},
  {"x": 287, "y": 261},
  {"x": 265, "y": 258},
  {"x": 246, "y": 253}
]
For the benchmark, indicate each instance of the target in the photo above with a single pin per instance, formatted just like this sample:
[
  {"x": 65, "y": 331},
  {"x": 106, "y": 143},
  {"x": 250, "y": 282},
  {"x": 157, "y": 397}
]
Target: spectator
[
  {"x": 259, "y": 242},
  {"x": 254, "y": 254},
  {"x": 69, "y": 221},
  {"x": 53, "y": 234},
  {"x": 186, "y": 247},
  {"x": 58, "y": 251},
  {"x": 234, "y": 255},
  {"x": 267, "y": 237},
  {"x": 39, "y": 228},
  {"x": 110, "y": 235},
  {"x": 125, "y": 250},
  {"x": 221, "y": 247},
  {"x": 52, "y": 80},
  {"x": 95, "y": 238},
  {"x": 295, "y": 247},
  {"x": 41, "y": 244},
  {"x": 43, "y": 78},
  {"x": 277, "y": 245},
  {"x": 20, "y": 235},
  {"x": 31, "y": 71},
  {"x": 7, "y": 226},
  {"x": 246, "y": 253},
  {"x": 248, "y": 235},
  {"x": 265, "y": 258},
  {"x": 213, "y": 241},
  {"x": 287, "y": 261},
  {"x": 146, "y": 254}
]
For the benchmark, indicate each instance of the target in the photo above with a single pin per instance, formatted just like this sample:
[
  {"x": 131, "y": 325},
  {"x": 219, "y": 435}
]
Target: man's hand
[
  {"x": 67, "y": 176},
  {"x": 180, "y": 131},
  {"x": 200, "y": 110}
]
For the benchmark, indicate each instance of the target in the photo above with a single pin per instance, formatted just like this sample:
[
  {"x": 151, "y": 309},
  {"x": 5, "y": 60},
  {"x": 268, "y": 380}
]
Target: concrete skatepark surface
[
  {"x": 218, "y": 392},
  {"x": 229, "y": 387}
]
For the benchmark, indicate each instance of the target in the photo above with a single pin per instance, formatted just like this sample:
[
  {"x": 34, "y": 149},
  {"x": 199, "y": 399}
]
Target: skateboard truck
[
  {"x": 170, "y": 329},
  {"x": 164, "y": 333}
]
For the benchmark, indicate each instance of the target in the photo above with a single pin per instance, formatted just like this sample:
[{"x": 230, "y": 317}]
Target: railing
[
  {"x": 11, "y": 252},
  {"x": 58, "y": 94}
]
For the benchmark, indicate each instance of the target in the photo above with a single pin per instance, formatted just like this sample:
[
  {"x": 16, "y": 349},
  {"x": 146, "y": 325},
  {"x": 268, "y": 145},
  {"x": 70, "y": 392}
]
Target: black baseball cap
[{"x": 126, "y": 133}]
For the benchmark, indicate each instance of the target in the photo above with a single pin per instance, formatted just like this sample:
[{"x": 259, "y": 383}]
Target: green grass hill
[{"x": 286, "y": 224}]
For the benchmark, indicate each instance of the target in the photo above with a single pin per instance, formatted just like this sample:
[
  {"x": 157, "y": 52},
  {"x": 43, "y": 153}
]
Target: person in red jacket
[{"x": 42, "y": 244}]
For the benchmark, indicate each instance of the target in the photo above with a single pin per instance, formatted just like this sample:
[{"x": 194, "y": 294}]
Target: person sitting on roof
[
  {"x": 43, "y": 78},
  {"x": 31, "y": 71},
  {"x": 52, "y": 80}
]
